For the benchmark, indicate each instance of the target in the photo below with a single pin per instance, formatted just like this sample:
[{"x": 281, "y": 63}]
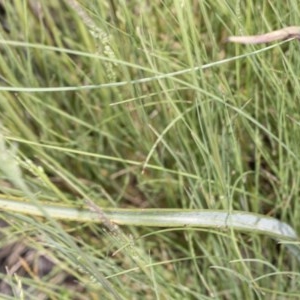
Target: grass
[{"x": 140, "y": 106}]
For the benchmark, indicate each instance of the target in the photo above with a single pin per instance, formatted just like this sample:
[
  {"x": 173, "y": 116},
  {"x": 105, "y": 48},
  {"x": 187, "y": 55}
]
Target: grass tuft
[{"x": 141, "y": 157}]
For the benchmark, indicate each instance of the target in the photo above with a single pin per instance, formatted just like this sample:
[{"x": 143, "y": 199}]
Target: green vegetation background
[{"x": 221, "y": 137}]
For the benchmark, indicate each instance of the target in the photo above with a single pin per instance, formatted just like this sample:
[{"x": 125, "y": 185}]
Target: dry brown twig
[{"x": 277, "y": 35}]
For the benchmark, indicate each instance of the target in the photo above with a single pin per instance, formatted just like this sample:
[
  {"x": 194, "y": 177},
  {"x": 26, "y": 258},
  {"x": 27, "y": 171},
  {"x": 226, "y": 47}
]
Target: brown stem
[{"x": 277, "y": 35}]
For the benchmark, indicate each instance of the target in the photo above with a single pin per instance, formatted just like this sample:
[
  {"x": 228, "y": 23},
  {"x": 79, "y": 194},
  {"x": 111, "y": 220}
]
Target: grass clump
[{"x": 116, "y": 109}]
